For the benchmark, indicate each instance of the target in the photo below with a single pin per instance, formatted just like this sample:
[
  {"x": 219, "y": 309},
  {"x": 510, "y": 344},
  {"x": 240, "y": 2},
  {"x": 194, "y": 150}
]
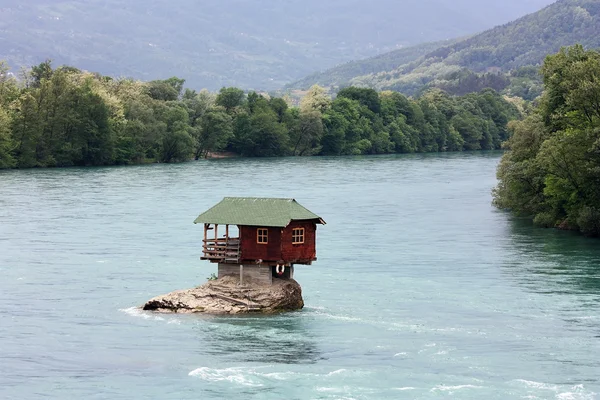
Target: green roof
[{"x": 253, "y": 211}]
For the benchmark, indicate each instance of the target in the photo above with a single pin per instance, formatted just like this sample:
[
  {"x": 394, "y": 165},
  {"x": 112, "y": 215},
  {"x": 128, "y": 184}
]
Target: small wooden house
[{"x": 260, "y": 237}]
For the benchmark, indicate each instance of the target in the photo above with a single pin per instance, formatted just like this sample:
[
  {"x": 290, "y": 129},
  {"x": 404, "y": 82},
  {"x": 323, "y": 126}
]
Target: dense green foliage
[
  {"x": 260, "y": 44},
  {"x": 495, "y": 58},
  {"x": 64, "y": 117},
  {"x": 552, "y": 171}
]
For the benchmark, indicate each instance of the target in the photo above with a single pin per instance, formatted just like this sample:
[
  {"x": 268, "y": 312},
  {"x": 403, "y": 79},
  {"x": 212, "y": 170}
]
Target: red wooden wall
[
  {"x": 299, "y": 252},
  {"x": 255, "y": 251},
  {"x": 280, "y": 247}
]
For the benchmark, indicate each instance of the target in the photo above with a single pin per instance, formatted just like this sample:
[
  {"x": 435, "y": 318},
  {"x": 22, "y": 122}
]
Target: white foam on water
[
  {"x": 20, "y": 279},
  {"x": 404, "y": 388},
  {"x": 577, "y": 392},
  {"x": 337, "y": 390},
  {"x": 101, "y": 261},
  {"x": 235, "y": 375},
  {"x": 308, "y": 308},
  {"x": 427, "y": 347},
  {"x": 339, "y": 317},
  {"x": 589, "y": 317},
  {"x": 336, "y": 372},
  {"x": 328, "y": 389},
  {"x": 402, "y": 326},
  {"x": 539, "y": 385},
  {"x": 280, "y": 376},
  {"x": 450, "y": 389},
  {"x": 138, "y": 312},
  {"x": 258, "y": 376},
  {"x": 447, "y": 329},
  {"x": 400, "y": 354}
]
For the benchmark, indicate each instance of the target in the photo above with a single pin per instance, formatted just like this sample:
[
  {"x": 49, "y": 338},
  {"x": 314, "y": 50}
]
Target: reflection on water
[
  {"x": 554, "y": 261},
  {"x": 282, "y": 339}
]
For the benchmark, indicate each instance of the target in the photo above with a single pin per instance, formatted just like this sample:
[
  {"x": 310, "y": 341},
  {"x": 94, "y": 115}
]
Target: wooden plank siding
[
  {"x": 279, "y": 246},
  {"x": 252, "y": 251},
  {"x": 299, "y": 253}
]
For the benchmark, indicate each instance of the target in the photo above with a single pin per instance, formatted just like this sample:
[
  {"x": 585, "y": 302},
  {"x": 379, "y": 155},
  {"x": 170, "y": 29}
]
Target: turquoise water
[{"x": 422, "y": 289}]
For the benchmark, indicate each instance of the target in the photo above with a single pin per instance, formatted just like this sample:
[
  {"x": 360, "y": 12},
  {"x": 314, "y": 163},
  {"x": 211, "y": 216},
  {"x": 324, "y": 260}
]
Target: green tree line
[
  {"x": 54, "y": 117},
  {"x": 552, "y": 171}
]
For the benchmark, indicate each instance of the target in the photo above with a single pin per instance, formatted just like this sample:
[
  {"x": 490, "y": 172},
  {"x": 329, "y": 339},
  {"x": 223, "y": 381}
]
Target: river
[{"x": 421, "y": 290}]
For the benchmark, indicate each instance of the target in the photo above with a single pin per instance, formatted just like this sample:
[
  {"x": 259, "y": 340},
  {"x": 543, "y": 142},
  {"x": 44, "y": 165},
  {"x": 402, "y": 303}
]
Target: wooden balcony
[{"x": 222, "y": 250}]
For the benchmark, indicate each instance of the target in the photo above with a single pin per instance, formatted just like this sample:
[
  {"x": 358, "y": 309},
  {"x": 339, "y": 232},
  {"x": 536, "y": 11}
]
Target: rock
[{"x": 227, "y": 296}]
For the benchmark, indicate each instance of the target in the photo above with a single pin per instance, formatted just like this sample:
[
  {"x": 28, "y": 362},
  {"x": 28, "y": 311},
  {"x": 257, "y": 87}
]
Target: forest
[
  {"x": 552, "y": 169},
  {"x": 57, "y": 117}
]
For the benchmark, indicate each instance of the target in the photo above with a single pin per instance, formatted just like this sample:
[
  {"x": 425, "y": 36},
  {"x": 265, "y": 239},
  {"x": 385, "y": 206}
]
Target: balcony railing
[{"x": 223, "y": 250}]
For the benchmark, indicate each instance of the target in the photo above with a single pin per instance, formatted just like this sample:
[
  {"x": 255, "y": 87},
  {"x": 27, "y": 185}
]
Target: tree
[
  {"x": 260, "y": 135},
  {"x": 520, "y": 176},
  {"x": 280, "y": 107},
  {"x": 334, "y": 140},
  {"x": 394, "y": 104},
  {"x": 8, "y": 86},
  {"x": 552, "y": 171},
  {"x": 6, "y": 144},
  {"x": 308, "y": 132},
  {"x": 217, "y": 130},
  {"x": 230, "y": 98},
  {"x": 176, "y": 83},
  {"x": 177, "y": 143},
  {"x": 41, "y": 72},
  {"x": 162, "y": 90},
  {"x": 316, "y": 99},
  {"x": 198, "y": 104},
  {"x": 366, "y": 97}
]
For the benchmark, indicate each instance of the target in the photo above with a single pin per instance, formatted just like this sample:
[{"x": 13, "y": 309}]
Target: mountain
[
  {"x": 260, "y": 44},
  {"x": 498, "y": 56},
  {"x": 342, "y": 74}
]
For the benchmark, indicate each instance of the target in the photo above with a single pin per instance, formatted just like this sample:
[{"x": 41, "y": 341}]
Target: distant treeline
[
  {"x": 552, "y": 171},
  {"x": 67, "y": 117}
]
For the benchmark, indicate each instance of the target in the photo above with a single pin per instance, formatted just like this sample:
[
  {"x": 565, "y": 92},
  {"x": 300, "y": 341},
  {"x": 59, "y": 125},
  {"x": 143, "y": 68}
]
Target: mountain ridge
[
  {"x": 261, "y": 44},
  {"x": 502, "y": 49}
]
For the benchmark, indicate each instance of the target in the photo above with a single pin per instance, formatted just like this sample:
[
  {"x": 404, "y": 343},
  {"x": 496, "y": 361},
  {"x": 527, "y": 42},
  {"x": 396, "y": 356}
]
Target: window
[
  {"x": 298, "y": 235},
  {"x": 262, "y": 236}
]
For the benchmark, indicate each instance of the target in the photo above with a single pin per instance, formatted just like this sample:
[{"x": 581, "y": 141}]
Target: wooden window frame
[
  {"x": 298, "y": 233},
  {"x": 262, "y": 233}
]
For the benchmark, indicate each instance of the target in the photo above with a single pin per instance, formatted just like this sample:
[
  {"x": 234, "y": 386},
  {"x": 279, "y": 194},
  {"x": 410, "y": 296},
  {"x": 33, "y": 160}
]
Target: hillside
[
  {"x": 505, "y": 49},
  {"x": 342, "y": 74},
  {"x": 259, "y": 44}
]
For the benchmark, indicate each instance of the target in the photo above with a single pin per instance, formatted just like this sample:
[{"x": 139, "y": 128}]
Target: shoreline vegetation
[
  {"x": 551, "y": 172},
  {"x": 61, "y": 117}
]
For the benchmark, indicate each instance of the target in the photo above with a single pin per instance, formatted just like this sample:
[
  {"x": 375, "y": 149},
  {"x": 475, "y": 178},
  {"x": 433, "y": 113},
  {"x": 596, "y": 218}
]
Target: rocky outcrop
[{"x": 227, "y": 296}]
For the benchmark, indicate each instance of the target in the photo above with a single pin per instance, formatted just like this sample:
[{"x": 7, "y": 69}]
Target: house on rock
[{"x": 261, "y": 238}]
